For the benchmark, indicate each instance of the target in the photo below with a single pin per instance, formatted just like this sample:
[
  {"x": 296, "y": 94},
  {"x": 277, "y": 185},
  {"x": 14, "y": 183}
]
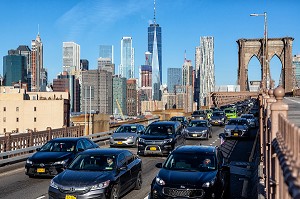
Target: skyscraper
[
  {"x": 71, "y": 57},
  {"x": 174, "y": 79},
  {"x": 205, "y": 69},
  {"x": 106, "y": 51},
  {"x": 296, "y": 68},
  {"x": 14, "y": 68},
  {"x": 25, "y": 51},
  {"x": 126, "y": 68},
  {"x": 155, "y": 47},
  {"x": 36, "y": 63}
]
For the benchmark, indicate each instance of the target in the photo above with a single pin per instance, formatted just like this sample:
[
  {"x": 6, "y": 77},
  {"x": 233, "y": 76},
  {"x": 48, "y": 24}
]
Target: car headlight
[
  {"x": 141, "y": 140},
  {"x": 130, "y": 137},
  {"x": 168, "y": 140},
  {"x": 111, "y": 138},
  {"x": 63, "y": 162},
  {"x": 53, "y": 184},
  {"x": 101, "y": 185},
  {"x": 227, "y": 130},
  {"x": 209, "y": 183},
  {"x": 204, "y": 131},
  {"x": 159, "y": 181},
  {"x": 28, "y": 161}
]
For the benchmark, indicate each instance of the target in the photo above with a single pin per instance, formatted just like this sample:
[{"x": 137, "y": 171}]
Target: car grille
[
  {"x": 153, "y": 142},
  {"x": 120, "y": 139},
  {"x": 239, "y": 132},
  {"x": 74, "y": 190},
  {"x": 190, "y": 193}
]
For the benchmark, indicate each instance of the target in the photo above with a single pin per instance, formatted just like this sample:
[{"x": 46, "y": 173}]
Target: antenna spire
[
  {"x": 154, "y": 20},
  {"x": 38, "y": 29}
]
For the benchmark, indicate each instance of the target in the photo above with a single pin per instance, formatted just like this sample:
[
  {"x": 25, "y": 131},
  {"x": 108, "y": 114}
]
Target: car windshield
[
  {"x": 58, "y": 146},
  {"x": 93, "y": 162},
  {"x": 229, "y": 111},
  {"x": 126, "y": 129},
  {"x": 191, "y": 162},
  {"x": 237, "y": 122},
  {"x": 159, "y": 130},
  {"x": 180, "y": 119},
  {"x": 218, "y": 114},
  {"x": 197, "y": 124}
]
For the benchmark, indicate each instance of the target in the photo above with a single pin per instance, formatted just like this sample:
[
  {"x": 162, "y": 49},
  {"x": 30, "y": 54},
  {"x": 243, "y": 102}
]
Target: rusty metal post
[
  {"x": 270, "y": 100},
  {"x": 261, "y": 126},
  {"x": 31, "y": 138},
  {"x": 49, "y": 129},
  {"x": 279, "y": 107},
  {"x": 8, "y": 142}
]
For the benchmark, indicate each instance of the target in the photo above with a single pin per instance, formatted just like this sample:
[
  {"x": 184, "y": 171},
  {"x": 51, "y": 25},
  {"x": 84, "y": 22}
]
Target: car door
[
  {"x": 124, "y": 174},
  {"x": 132, "y": 166}
]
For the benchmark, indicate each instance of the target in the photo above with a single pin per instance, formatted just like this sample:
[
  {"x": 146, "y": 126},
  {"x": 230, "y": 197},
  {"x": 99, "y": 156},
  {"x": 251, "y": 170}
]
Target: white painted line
[
  {"x": 12, "y": 172},
  {"x": 41, "y": 197},
  {"x": 146, "y": 197},
  {"x": 292, "y": 100}
]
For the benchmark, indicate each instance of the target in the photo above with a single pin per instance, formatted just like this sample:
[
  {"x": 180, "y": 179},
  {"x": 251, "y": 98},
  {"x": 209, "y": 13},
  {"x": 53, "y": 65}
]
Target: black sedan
[
  {"x": 98, "y": 173},
  {"x": 55, "y": 155},
  {"x": 218, "y": 118},
  {"x": 191, "y": 172}
]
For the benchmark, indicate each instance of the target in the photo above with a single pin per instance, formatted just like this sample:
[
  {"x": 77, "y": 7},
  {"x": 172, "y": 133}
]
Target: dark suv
[
  {"x": 161, "y": 137},
  {"x": 192, "y": 172}
]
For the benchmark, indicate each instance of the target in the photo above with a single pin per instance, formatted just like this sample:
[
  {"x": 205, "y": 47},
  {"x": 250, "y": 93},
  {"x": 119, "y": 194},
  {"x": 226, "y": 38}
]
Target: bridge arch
[{"x": 281, "y": 47}]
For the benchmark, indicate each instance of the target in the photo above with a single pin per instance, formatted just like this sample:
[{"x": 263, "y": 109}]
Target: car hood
[
  {"x": 193, "y": 129},
  {"x": 156, "y": 137},
  {"x": 123, "y": 135},
  {"x": 82, "y": 178},
  {"x": 44, "y": 157},
  {"x": 191, "y": 178},
  {"x": 236, "y": 127}
]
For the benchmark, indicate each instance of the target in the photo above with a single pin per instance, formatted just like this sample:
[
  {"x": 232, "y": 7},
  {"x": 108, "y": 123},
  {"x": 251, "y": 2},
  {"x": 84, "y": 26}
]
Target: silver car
[
  {"x": 237, "y": 127},
  {"x": 199, "y": 129},
  {"x": 126, "y": 135},
  {"x": 253, "y": 122}
]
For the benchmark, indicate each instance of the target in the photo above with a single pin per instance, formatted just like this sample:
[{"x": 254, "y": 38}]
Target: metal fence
[{"x": 280, "y": 150}]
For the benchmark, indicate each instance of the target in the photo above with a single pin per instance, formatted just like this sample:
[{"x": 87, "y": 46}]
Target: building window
[
  {"x": 17, "y": 108},
  {"x": 34, "y": 108},
  {"x": 4, "y": 119},
  {"x": 17, "y": 119},
  {"x": 4, "y": 130},
  {"x": 17, "y": 130},
  {"x": 34, "y": 119},
  {"x": 4, "y": 108}
]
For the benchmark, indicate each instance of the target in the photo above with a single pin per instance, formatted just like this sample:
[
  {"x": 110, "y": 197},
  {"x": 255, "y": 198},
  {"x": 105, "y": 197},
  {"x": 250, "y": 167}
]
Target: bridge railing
[{"x": 280, "y": 150}]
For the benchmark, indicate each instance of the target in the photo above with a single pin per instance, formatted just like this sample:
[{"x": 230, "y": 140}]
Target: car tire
[
  {"x": 138, "y": 182},
  {"x": 114, "y": 194}
]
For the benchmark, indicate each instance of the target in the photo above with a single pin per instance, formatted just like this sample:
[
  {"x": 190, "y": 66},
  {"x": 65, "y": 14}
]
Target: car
[
  {"x": 192, "y": 172},
  {"x": 230, "y": 112},
  {"x": 181, "y": 119},
  {"x": 199, "y": 114},
  {"x": 199, "y": 129},
  {"x": 161, "y": 137},
  {"x": 55, "y": 155},
  {"x": 218, "y": 118},
  {"x": 253, "y": 121},
  {"x": 98, "y": 173},
  {"x": 126, "y": 135},
  {"x": 237, "y": 127}
]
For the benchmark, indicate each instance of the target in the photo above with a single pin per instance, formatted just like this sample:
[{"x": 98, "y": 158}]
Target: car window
[
  {"x": 58, "y": 146},
  {"x": 195, "y": 161},
  {"x": 121, "y": 160},
  {"x": 93, "y": 162},
  {"x": 197, "y": 124},
  {"x": 87, "y": 144},
  {"x": 160, "y": 130},
  {"x": 129, "y": 157},
  {"x": 80, "y": 145},
  {"x": 126, "y": 129}
]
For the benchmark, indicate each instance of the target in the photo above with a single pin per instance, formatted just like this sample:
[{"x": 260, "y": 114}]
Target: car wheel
[
  {"x": 138, "y": 183},
  {"x": 210, "y": 135},
  {"x": 114, "y": 194}
]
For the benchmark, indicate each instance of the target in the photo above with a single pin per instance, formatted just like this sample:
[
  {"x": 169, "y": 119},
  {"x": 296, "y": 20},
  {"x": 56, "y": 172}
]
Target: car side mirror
[
  {"x": 80, "y": 149},
  {"x": 159, "y": 165}
]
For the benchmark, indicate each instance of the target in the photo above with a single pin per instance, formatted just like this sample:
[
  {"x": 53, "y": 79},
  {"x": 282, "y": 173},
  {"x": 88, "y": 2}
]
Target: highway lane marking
[
  {"x": 293, "y": 100},
  {"x": 41, "y": 197},
  {"x": 12, "y": 172}
]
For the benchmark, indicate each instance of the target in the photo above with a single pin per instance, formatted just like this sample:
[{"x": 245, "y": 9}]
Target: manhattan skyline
[{"x": 183, "y": 22}]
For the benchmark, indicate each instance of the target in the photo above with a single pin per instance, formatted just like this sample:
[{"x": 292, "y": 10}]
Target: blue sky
[{"x": 90, "y": 23}]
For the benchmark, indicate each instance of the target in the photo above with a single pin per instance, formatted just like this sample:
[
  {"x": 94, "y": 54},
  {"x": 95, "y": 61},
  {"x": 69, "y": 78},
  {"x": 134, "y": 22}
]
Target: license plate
[
  {"x": 120, "y": 142},
  {"x": 70, "y": 197},
  {"x": 153, "y": 148},
  {"x": 195, "y": 135},
  {"x": 236, "y": 134},
  {"x": 216, "y": 122},
  {"x": 40, "y": 170}
]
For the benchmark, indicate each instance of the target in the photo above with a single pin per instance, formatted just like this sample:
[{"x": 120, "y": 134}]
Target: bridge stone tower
[{"x": 280, "y": 47}]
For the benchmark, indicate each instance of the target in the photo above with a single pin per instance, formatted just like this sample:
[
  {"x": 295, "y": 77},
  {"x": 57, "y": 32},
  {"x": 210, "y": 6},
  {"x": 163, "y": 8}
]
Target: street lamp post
[{"x": 266, "y": 72}]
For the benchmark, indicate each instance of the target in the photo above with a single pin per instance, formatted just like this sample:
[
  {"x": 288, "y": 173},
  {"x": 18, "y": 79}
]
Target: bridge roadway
[
  {"x": 294, "y": 109},
  {"x": 15, "y": 184}
]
